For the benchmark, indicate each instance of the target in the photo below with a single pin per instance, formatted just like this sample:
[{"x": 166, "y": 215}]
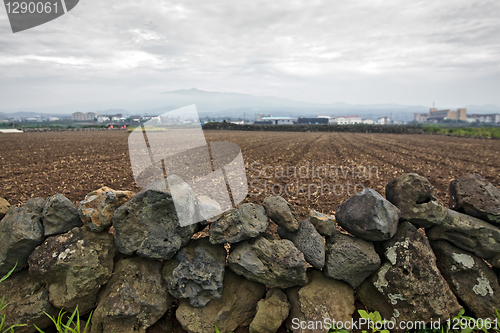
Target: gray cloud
[{"x": 124, "y": 53}]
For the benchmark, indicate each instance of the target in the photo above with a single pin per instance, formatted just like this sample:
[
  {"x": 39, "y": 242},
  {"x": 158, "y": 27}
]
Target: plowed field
[{"x": 311, "y": 170}]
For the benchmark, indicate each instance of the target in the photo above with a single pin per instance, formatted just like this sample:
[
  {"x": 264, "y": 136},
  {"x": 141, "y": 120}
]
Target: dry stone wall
[{"x": 126, "y": 257}]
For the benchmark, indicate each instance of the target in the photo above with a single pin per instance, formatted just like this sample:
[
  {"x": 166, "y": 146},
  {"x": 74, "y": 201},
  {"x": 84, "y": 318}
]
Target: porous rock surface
[
  {"x": 98, "y": 207},
  {"x": 59, "y": 215},
  {"x": 133, "y": 299},
  {"x": 325, "y": 224},
  {"x": 21, "y": 231},
  {"x": 271, "y": 312},
  {"x": 350, "y": 259},
  {"x": 270, "y": 261},
  {"x": 243, "y": 222},
  {"x": 470, "y": 279},
  {"x": 416, "y": 199},
  {"x": 475, "y": 196},
  {"x": 74, "y": 266},
  {"x": 468, "y": 233},
  {"x": 321, "y": 298},
  {"x": 148, "y": 224},
  {"x": 368, "y": 215},
  {"x": 236, "y": 307},
  {"x": 409, "y": 281},
  {"x": 308, "y": 241},
  {"x": 197, "y": 272},
  {"x": 28, "y": 299},
  {"x": 4, "y": 207},
  {"x": 281, "y": 212}
]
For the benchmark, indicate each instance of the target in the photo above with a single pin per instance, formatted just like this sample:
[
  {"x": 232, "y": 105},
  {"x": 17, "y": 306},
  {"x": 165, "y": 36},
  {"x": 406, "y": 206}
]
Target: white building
[
  {"x": 102, "y": 119},
  {"x": 354, "y": 119},
  {"x": 338, "y": 121},
  {"x": 383, "y": 121},
  {"x": 90, "y": 116},
  {"x": 368, "y": 121},
  {"x": 280, "y": 120},
  {"x": 345, "y": 120},
  {"x": 493, "y": 118},
  {"x": 260, "y": 116}
]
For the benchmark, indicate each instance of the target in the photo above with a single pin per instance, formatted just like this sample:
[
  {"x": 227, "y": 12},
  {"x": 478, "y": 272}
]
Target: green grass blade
[
  {"x": 39, "y": 330},
  {"x": 9, "y": 273},
  {"x": 88, "y": 322},
  {"x": 70, "y": 320}
]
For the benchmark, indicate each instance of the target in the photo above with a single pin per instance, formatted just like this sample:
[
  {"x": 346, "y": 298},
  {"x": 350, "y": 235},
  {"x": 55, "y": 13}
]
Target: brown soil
[{"x": 76, "y": 163}]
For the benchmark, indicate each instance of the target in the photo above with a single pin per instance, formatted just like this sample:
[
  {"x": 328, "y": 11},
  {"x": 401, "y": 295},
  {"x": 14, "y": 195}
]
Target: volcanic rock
[
  {"x": 308, "y": 241},
  {"x": 321, "y": 298},
  {"x": 409, "y": 280},
  {"x": 244, "y": 222},
  {"x": 468, "y": 233},
  {"x": 59, "y": 215},
  {"x": 21, "y": 231},
  {"x": 133, "y": 299},
  {"x": 98, "y": 207},
  {"x": 197, "y": 272},
  {"x": 148, "y": 224},
  {"x": 27, "y": 300},
  {"x": 470, "y": 279},
  {"x": 270, "y": 261},
  {"x": 74, "y": 266},
  {"x": 281, "y": 212},
  {"x": 236, "y": 307},
  {"x": 417, "y": 200},
  {"x": 4, "y": 207},
  {"x": 369, "y": 216},
  {"x": 475, "y": 196},
  {"x": 271, "y": 312},
  {"x": 350, "y": 259},
  {"x": 325, "y": 224}
]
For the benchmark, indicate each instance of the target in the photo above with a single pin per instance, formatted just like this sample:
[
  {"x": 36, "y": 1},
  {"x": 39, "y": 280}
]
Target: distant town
[{"x": 433, "y": 116}]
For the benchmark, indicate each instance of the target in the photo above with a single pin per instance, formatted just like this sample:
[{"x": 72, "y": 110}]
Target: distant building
[
  {"x": 280, "y": 120},
  {"x": 436, "y": 115},
  {"x": 339, "y": 121},
  {"x": 440, "y": 115},
  {"x": 493, "y": 118},
  {"x": 78, "y": 116},
  {"x": 102, "y": 119},
  {"x": 90, "y": 116},
  {"x": 354, "y": 119},
  {"x": 383, "y": 121},
  {"x": 346, "y": 120},
  {"x": 368, "y": 121},
  {"x": 313, "y": 121},
  {"x": 53, "y": 119},
  {"x": 421, "y": 117},
  {"x": 135, "y": 118},
  {"x": 260, "y": 116},
  {"x": 150, "y": 117}
]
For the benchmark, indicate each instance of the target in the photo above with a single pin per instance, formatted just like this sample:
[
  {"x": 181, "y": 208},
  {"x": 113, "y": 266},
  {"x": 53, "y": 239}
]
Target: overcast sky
[{"x": 123, "y": 53}]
